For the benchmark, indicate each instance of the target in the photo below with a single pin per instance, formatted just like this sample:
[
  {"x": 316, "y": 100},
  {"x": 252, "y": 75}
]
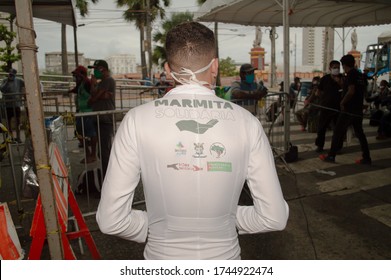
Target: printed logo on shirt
[
  {"x": 195, "y": 127},
  {"x": 199, "y": 150},
  {"x": 194, "y": 109},
  {"x": 180, "y": 149},
  {"x": 217, "y": 150},
  {"x": 184, "y": 166},
  {"x": 217, "y": 166}
]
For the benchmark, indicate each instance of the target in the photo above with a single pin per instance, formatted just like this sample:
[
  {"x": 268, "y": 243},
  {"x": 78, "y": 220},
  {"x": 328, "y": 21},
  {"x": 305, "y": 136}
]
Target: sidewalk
[{"x": 341, "y": 216}]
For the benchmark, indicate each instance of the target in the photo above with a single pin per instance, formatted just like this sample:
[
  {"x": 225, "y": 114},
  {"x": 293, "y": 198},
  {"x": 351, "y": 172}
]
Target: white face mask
[
  {"x": 192, "y": 79},
  {"x": 334, "y": 71}
]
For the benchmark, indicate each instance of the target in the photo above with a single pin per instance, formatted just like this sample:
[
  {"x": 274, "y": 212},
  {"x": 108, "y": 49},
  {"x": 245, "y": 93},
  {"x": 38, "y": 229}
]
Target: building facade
[
  {"x": 318, "y": 48},
  {"x": 53, "y": 62},
  {"x": 122, "y": 63}
]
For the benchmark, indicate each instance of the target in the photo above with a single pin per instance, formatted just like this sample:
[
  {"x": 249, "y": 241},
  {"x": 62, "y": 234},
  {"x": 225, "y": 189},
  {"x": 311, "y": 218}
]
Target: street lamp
[{"x": 343, "y": 37}]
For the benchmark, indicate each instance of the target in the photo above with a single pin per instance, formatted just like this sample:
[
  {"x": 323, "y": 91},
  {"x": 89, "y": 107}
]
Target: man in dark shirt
[
  {"x": 351, "y": 107},
  {"x": 330, "y": 94},
  {"x": 103, "y": 99}
]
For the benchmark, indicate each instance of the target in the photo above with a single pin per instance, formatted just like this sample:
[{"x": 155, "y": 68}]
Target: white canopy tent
[{"x": 296, "y": 13}]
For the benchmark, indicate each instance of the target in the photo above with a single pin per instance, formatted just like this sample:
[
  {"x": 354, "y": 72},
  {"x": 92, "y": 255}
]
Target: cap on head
[
  {"x": 247, "y": 68},
  {"x": 100, "y": 63},
  {"x": 12, "y": 72},
  {"x": 80, "y": 70}
]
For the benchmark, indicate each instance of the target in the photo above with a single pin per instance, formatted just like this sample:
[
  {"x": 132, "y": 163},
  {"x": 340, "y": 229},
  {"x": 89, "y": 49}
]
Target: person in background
[
  {"x": 294, "y": 90},
  {"x": 351, "y": 107},
  {"x": 330, "y": 95},
  {"x": 103, "y": 99},
  {"x": 85, "y": 126},
  {"x": 191, "y": 167},
  {"x": 163, "y": 85},
  {"x": 247, "y": 91},
  {"x": 308, "y": 111},
  {"x": 13, "y": 89}
]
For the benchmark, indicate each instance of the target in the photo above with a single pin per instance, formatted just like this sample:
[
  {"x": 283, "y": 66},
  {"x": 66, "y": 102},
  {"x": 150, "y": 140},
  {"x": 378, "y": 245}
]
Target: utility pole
[
  {"x": 64, "y": 52},
  {"x": 149, "y": 39},
  {"x": 273, "y": 37},
  {"x": 28, "y": 49}
]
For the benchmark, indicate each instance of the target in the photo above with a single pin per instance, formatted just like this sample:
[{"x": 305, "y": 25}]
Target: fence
[{"x": 56, "y": 100}]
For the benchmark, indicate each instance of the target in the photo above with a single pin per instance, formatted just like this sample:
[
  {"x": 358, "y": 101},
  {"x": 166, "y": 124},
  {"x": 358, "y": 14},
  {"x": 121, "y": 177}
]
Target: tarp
[
  {"x": 61, "y": 11},
  {"x": 302, "y": 13},
  {"x": 384, "y": 37},
  {"x": 296, "y": 13}
]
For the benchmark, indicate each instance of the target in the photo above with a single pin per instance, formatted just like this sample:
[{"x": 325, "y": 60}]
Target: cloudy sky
[{"x": 104, "y": 33}]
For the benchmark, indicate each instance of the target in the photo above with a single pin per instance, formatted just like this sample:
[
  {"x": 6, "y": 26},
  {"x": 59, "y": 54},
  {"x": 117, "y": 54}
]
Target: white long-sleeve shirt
[{"x": 194, "y": 152}]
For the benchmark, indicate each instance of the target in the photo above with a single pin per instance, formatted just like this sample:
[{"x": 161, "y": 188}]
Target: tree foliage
[
  {"x": 7, "y": 53},
  {"x": 227, "y": 67},
  {"x": 136, "y": 13},
  {"x": 159, "y": 52}
]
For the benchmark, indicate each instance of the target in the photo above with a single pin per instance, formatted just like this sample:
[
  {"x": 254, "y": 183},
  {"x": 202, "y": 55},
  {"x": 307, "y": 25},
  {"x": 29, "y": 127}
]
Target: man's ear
[
  {"x": 167, "y": 68},
  {"x": 215, "y": 67}
]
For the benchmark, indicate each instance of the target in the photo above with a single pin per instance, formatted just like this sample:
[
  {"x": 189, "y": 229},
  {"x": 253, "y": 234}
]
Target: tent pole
[
  {"x": 286, "y": 73},
  {"x": 28, "y": 50}
]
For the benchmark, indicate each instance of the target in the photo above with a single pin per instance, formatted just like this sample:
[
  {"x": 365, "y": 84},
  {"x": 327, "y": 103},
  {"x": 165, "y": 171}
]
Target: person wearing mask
[
  {"x": 13, "y": 90},
  {"x": 294, "y": 90},
  {"x": 103, "y": 99},
  {"x": 351, "y": 107},
  {"x": 330, "y": 95},
  {"x": 247, "y": 91},
  {"x": 193, "y": 176},
  {"x": 303, "y": 115},
  {"x": 85, "y": 126},
  {"x": 163, "y": 85}
]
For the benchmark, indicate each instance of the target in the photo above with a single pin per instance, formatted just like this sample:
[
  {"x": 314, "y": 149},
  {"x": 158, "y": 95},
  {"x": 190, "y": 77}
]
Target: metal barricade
[{"x": 270, "y": 111}]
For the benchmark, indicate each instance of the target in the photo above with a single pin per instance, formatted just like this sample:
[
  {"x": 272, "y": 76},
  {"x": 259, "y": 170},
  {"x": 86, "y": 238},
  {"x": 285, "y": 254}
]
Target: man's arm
[
  {"x": 257, "y": 94},
  {"x": 115, "y": 215},
  {"x": 98, "y": 93},
  {"x": 348, "y": 96},
  {"x": 270, "y": 211}
]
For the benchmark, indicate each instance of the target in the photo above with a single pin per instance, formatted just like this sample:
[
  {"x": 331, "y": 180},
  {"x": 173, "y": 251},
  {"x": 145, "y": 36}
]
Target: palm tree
[
  {"x": 159, "y": 52},
  {"x": 82, "y": 5},
  {"x": 144, "y": 13}
]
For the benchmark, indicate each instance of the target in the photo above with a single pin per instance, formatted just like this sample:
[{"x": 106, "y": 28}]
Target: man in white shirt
[{"x": 193, "y": 175}]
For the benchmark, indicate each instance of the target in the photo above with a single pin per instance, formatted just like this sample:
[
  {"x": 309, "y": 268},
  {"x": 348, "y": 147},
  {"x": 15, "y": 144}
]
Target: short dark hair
[
  {"x": 190, "y": 45},
  {"x": 348, "y": 60},
  {"x": 334, "y": 62}
]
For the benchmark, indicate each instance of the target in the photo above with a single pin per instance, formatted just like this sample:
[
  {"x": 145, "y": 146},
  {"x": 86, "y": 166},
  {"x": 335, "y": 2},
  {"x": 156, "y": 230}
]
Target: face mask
[
  {"x": 250, "y": 78},
  {"x": 98, "y": 74},
  {"x": 192, "y": 79},
  {"x": 334, "y": 71},
  {"x": 381, "y": 87},
  {"x": 163, "y": 79}
]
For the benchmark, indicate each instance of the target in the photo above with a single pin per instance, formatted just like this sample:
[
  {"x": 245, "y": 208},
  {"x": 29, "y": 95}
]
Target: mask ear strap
[{"x": 192, "y": 79}]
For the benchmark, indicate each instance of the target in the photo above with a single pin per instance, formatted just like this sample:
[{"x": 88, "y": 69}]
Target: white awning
[
  {"x": 302, "y": 13},
  {"x": 61, "y": 11}
]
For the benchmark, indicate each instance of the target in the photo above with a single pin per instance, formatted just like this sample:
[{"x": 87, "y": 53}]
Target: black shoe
[
  {"x": 364, "y": 161},
  {"x": 327, "y": 158},
  {"x": 319, "y": 149}
]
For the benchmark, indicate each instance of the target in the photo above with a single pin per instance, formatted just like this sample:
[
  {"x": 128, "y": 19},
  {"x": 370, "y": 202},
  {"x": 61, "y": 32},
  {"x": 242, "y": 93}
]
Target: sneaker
[
  {"x": 364, "y": 161},
  {"x": 327, "y": 158},
  {"x": 381, "y": 137},
  {"x": 319, "y": 149}
]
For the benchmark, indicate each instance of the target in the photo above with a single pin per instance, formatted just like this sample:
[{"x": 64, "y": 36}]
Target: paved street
[{"x": 337, "y": 211}]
